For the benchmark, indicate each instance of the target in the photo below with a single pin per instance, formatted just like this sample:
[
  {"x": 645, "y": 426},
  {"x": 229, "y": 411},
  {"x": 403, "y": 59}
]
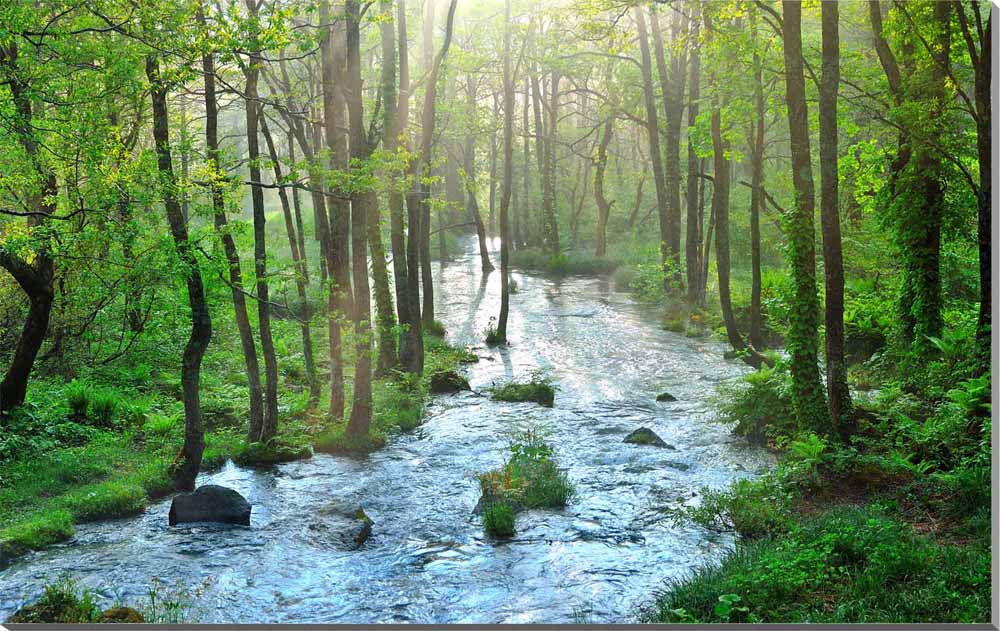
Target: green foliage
[
  {"x": 564, "y": 263},
  {"x": 530, "y": 478},
  {"x": 848, "y": 565},
  {"x": 434, "y": 327},
  {"x": 62, "y": 603},
  {"x": 754, "y": 509},
  {"x": 275, "y": 452},
  {"x": 498, "y": 520},
  {"x": 538, "y": 389},
  {"x": 36, "y": 532},
  {"x": 759, "y": 403}
]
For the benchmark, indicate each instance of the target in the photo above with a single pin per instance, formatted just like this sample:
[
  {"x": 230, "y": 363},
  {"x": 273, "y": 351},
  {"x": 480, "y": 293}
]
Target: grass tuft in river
[{"x": 538, "y": 389}]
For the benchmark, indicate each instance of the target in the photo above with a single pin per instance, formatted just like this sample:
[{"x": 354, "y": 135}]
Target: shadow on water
[{"x": 428, "y": 560}]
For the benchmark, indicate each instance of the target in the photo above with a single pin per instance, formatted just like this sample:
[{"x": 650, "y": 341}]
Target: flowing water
[{"x": 598, "y": 560}]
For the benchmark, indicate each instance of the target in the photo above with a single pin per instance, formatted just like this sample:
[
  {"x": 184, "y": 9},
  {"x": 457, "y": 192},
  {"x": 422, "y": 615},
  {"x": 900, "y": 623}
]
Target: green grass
[
  {"x": 498, "y": 520},
  {"x": 538, "y": 389},
  {"x": 529, "y": 479},
  {"x": 848, "y": 565},
  {"x": 35, "y": 533},
  {"x": 275, "y": 452},
  {"x": 564, "y": 263},
  {"x": 62, "y": 603}
]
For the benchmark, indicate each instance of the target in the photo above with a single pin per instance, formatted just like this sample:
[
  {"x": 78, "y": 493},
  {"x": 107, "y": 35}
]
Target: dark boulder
[
  {"x": 665, "y": 396},
  {"x": 342, "y": 527},
  {"x": 210, "y": 503},
  {"x": 646, "y": 436},
  {"x": 448, "y": 381}
]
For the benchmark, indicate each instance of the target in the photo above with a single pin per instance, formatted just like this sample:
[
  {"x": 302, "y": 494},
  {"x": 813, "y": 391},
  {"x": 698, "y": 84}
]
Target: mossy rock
[
  {"x": 121, "y": 615},
  {"x": 59, "y": 605},
  {"x": 262, "y": 455},
  {"x": 539, "y": 392},
  {"x": 447, "y": 382},
  {"x": 665, "y": 397},
  {"x": 342, "y": 527},
  {"x": 646, "y": 436}
]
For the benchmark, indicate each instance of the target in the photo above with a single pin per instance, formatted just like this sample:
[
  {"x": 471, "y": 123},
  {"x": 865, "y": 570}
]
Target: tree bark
[
  {"x": 35, "y": 278},
  {"x": 756, "y": 198},
  {"x": 470, "y": 179},
  {"x": 693, "y": 230},
  {"x": 363, "y": 202},
  {"x": 603, "y": 207},
  {"x": 270, "y": 425},
  {"x": 508, "y": 159},
  {"x": 247, "y": 342},
  {"x": 807, "y": 393},
  {"x": 185, "y": 468},
  {"x": 655, "y": 155},
  {"x": 838, "y": 394}
]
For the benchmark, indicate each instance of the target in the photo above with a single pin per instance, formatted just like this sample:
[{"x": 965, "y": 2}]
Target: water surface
[{"x": 428, "y": 561}]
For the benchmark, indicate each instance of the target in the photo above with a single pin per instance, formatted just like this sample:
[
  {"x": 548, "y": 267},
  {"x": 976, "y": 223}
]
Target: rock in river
[
  {"x": 665, "y": 396},
  {"x": 646, "y": 436},
  {"x": 210, "y": 503},
  {"x": 343, "y": 527},
  {"x": 448, "y": 381}
]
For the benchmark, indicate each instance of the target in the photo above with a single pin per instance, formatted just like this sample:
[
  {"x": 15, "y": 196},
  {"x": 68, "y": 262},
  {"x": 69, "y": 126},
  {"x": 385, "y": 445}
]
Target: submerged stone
[
  {"x": 665, "y": 396},
  {"x": 646, "y": 436},
  {"x": 210, "y": 503},
  {"x": 448, "y": 381},
  {"x": 341, "y": 526}
]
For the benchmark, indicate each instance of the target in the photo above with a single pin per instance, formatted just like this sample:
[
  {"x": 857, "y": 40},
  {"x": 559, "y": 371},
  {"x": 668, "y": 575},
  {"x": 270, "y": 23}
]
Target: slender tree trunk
[
  {"x": 720, "y": 210},
  {"x": 362, "y": 204},
  {"x": 185, "y": 468},
  {"x": 525, "y": 205},
  {"x": 551, "y": 222},
  {"x": 270, "y": 425},
  {"x": 807, "y": 393},
  {"x": 508, "y": 159},
  {"x": 470, "y": 180},
  {"x": 603, "y": 207},
  {"x": 756, "y": 198},
  {"x": 693, "y": 233},
  {"x": 656, "y": 157},
  {"x": 305, "y": 312},
  {"x": 339, "y": 226},
  {"x": 247, "y": 343},
  {"x": 839, "y": 395},
  {"x": 673, "y": 97},
  {"x": 493, "y": 166}
]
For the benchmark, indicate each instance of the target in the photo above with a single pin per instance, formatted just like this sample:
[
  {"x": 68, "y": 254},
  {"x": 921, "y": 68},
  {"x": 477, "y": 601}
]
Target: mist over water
[{"x": 598, "y": 560}]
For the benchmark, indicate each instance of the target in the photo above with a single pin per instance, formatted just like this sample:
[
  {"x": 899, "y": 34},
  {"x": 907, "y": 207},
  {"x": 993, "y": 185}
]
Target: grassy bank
[
  {"x": 893, "y": 526},
  {"x": 68, "y": 461}
]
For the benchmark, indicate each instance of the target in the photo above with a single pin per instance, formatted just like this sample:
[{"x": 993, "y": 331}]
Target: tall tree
[
  {"x": 252, "y": 100},
  {"x": 185, "y": 469},
  {"x": 470, "y": 175},
  {"x": 363, "y": 200},
  {"x": 655, "y": 155},
  {"x": 247, "y": 343},
  {"x": 803, "y": 339},
  {"x": 838, "y": 394},
  {"x": 508, "y": 176},
  {"x": 33, "y": 274},
  {"x": 692, "y": 239}
]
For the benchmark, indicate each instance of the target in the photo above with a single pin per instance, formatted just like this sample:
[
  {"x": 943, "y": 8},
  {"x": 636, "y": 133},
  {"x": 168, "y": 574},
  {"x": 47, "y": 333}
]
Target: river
[{"x": 597, "y": 561}]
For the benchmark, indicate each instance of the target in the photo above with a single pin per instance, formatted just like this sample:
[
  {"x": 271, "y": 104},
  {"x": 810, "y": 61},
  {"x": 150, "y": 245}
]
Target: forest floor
[{"x": 79, "y": 452}]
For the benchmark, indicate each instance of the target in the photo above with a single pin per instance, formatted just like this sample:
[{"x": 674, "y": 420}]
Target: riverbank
[
  {"x": 77, "y": 453},
  {"x": 891, "y": 528}
]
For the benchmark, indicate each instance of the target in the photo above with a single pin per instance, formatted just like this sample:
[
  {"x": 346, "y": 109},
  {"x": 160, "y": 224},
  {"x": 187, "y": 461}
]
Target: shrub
[
  {"x": 78, "y": 396},
  {"x": 275, "y": 452},
  {"x": 754, "y": 509},
  {"x": 759, "y": 403},
  {"x": 103, "y": 406},
  {"x": 62, "y": 603},
  {"x": 498, "y": 520},
  {"x": 338, "y": 441},
  {"x": 434, "y": 327},
  {"x": 530, "y": 478}
]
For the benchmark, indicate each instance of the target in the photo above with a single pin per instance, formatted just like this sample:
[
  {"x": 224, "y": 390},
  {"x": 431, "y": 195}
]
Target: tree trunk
[
  {"x": 839, "y": 395},
  {"x": 603, "y": 207},
  {"x": 493, "y": 167},
  {"x": 185, "y": 468},
  {"x": 508, "y": 158},
  {"x": 247, "y": 343},
  {"x": 807, "y": 393},
  {"x": 673, "y": 98},
  {"x": 470, "y": 180},
  {"x": 270, "y": 425},
  {"x": 550, "y": 227},
  {"x": 305, "y": 312},
  {"x": 653, "y": 130},
  {"x": 756, "y": 198},
  {"x": 693, "y": 232},
  {"x": 339, "y": 224},
  {"x": 362, "y": 204}
]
